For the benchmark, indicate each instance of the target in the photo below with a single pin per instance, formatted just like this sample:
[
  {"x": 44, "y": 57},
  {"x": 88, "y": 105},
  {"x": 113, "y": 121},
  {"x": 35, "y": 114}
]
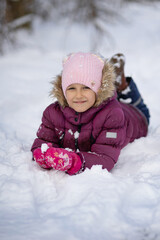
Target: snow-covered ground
[{"x": 38, "y": 204}]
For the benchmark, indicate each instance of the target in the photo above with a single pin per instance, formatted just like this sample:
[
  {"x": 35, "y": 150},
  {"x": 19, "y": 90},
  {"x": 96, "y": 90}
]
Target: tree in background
[
  {"x": 99, "y": 14},
  {"x": 18, "y": 9},
  {"x": 15, "y": 14}
]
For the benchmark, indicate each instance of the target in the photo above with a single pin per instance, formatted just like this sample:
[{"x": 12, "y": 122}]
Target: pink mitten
[
  {"x": 40, "y": 158},
  {"x": 76, "y": 164},
  {"x": 58, "y": 158}
]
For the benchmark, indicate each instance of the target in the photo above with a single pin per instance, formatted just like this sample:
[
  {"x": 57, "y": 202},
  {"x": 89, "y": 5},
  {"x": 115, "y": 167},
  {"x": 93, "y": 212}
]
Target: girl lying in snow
[{"x": 98, "y": 112}]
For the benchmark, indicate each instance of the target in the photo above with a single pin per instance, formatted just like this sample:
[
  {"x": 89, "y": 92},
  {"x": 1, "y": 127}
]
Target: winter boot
[
  {"x": 127, "y": 90},
  {"x": 118, "y": 61}
]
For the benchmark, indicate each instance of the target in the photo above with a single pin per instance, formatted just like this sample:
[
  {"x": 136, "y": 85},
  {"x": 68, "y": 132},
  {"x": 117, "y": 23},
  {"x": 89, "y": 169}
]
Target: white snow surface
[{"x": 39, "y": 204}]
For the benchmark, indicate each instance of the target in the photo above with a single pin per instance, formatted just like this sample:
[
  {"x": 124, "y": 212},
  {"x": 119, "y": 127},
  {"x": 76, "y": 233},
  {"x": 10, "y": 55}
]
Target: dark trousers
[{"x": 132, "y": 96}]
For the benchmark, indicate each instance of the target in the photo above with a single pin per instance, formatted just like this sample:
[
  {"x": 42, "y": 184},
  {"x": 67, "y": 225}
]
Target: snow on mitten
[
  {"x": 76, "y": 164},
  {"x": 39, "y": 157},
  {"x": 58, "y": 158}
]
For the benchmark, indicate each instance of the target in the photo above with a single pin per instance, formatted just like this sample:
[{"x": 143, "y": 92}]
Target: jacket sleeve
[
  {"x": 46, "y": 132},
  {"x": 107, "y": 146}
]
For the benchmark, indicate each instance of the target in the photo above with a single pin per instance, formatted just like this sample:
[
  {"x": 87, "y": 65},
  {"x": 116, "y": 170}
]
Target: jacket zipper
[{"x": 76, "y": 140}]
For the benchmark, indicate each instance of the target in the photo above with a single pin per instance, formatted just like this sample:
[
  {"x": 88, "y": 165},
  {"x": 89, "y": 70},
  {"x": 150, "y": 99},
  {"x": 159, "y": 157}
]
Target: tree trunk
[{"x": 18, "y": 9}]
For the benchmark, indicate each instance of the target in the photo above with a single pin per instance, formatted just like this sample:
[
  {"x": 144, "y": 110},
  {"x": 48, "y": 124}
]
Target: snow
[
  {"x": 44, "y": 147},
  {"x": 70, "y": 131},
  {"x": 76, "y": 135},
  {"x": 39, "y": 204}
]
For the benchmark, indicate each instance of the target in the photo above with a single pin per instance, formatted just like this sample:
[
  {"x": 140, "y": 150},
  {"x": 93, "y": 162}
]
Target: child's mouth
[{"x": 80, "y": 102}]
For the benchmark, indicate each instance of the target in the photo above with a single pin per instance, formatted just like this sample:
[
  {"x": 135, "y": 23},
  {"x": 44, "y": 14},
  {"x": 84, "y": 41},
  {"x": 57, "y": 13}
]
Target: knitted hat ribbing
[{"x": 82, "y": 68}]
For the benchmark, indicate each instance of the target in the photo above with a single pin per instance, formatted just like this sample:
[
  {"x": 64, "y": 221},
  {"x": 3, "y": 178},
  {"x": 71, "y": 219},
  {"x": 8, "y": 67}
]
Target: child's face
[{"x": 80, "y": 97}]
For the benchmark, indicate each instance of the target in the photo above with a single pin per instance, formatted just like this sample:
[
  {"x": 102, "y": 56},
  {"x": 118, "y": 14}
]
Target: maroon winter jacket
[{"x": 97, "y": 135}]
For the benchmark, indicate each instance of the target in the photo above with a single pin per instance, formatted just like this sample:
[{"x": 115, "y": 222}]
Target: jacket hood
[{"x": 105, "y": 92}]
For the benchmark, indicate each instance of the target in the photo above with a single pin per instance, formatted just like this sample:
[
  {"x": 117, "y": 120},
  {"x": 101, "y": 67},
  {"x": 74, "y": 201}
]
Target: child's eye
[
  {"x": 86, "y": 87},
  {"x": 70, "y": 88}
]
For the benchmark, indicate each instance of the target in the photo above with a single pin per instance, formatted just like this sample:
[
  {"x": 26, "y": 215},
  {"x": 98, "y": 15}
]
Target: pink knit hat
[{"x": 83, "y": 68}]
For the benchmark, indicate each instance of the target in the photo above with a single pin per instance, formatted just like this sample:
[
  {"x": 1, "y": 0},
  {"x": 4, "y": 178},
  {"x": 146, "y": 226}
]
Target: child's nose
[{"x": 79, "y": 93}]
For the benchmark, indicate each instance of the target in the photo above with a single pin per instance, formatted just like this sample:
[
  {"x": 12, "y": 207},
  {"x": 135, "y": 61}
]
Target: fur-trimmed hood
[{"x": 105, "y": 92}]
